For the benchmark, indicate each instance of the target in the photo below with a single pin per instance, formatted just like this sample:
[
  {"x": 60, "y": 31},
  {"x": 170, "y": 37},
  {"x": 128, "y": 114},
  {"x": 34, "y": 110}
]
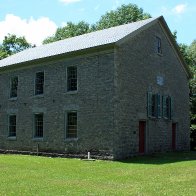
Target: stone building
[{"x": 119, "y": 92}]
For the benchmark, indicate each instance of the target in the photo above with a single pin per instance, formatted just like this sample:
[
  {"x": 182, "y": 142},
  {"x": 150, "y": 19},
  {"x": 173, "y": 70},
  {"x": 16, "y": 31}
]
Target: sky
[{"x": 38, "y": 19}]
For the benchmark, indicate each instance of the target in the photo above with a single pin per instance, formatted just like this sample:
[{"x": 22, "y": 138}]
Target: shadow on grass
[{"x": 162, "y": 158}]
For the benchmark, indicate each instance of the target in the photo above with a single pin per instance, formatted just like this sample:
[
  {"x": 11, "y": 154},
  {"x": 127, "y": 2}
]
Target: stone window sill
[
  {"x": 39, "y": 96},
  {"x": 160, "y": 54},
  {"x": 11, "y": 138},
  {"x": 71, "y": 92},
  {"x": 13, "y": 99},
  {"x": 71, "y": 139},
  {"x": 38, "y": 139}
]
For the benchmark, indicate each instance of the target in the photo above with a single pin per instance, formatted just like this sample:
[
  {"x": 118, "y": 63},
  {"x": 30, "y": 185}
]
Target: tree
[
  {"x": 189, "y": 54},
  {"x": 70, "y": 30},
  {"x": 122, "y": 15},
  {"x": 13, "y": 44},
  {"x": 192, "y": 55}
]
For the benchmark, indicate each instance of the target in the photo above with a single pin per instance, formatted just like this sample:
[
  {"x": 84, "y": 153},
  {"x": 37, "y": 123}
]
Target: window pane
[
  {"x": 153, "y": 105},
  {"x": 166, "y": 106},
  {"x": 12, "y": 125},
  {"x": 158, "y": 106},
  {"x": 39, "y": 83},
  {"x": 159, "y": 49},
  {"x": 14, "y": 87},
  {"x": 72, "y": 125},
  {"x": 72, "y": 78},
  {"x": 38, "y": 125}
]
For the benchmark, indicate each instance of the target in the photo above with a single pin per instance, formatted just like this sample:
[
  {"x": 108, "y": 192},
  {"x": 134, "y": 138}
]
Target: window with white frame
[
  {"x": 13, "y": 87},
  {"x": 72, "y": 78},
  {"x": 71, "y": 128},
  {"x": 12, "y": 125},
  {"x": 38, "y": 124},
  {"x": 39, "y": 83}
]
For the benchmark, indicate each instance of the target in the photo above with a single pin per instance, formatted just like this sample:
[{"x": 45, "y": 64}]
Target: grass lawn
[{"x": 166, "y": 174}]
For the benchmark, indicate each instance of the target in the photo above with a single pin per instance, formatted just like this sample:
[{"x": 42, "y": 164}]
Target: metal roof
[{"x": 89, "y": 40}]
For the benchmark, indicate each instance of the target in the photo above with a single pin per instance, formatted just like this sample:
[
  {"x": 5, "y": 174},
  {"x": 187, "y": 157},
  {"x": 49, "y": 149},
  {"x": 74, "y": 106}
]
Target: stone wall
[
  {"x": 137, "y": 66},
  {"x": 93, "y": 102}
]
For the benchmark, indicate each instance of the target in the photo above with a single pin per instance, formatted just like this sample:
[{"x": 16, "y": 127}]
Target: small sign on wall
[{"x": 160, "y": 80}]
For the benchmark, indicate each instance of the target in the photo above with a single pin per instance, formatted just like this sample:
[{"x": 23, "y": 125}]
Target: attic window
[{"x": 158, "y": 45}]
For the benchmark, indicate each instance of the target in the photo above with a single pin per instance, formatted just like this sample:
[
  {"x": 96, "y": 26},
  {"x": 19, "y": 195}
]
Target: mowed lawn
[{"x": 165, "y": 174}]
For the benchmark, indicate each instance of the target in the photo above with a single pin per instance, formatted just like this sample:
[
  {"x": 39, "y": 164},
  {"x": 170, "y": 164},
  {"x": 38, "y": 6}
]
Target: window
[
  {"x": 154, "y": 105},
  {"x": 167, "y": 107},
  {"x": 158, "y": 105},
  {"x": 38, "y": 118},
  {"x": 71, "y": 125},
  {"x": 39, "y": 83},
  {"x": 13, "y": 87},
  {"x": 159, "y": 48},
  {"x": 71, "y": 78},
  {"x": 12, "y": 126}
]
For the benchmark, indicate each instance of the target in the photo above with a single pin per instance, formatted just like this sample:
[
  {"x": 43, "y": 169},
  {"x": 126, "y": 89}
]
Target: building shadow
[{"x": 162, "y": 158}]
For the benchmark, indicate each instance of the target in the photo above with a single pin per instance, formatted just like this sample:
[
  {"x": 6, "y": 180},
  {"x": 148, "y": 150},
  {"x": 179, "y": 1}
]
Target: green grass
[{"x": 166, "y": 174}]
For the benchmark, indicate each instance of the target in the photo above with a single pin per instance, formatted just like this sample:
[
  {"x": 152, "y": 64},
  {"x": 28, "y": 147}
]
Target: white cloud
[
  {"x": 69, "y": 1},
  {"x": 179, "y": 9},
  {"x": 35, "y": 31}
]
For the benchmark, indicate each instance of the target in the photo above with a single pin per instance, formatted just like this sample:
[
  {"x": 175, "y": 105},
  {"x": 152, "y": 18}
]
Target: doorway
[
  {"x": 142, "y": 129},
  {"x": 174, "y": 136}
]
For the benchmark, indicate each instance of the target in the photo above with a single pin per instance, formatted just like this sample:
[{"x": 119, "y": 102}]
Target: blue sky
[{"x": 38, "y": 19}]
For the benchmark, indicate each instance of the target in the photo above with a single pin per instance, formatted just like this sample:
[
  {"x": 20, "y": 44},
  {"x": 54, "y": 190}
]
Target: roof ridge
[{"x": 118, "y": 26}]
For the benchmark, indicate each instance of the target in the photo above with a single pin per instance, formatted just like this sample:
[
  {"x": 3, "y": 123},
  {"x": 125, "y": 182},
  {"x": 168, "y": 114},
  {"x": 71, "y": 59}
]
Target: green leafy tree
[
  {"x": 13, "y": 44},
  {"x": 3, "y": 53},
  {"x": 191, "y": 51},
  {"x": 189, "y": 54},
  {"x": 70, "y": 30},
  {"x": 122, "y": 15}
]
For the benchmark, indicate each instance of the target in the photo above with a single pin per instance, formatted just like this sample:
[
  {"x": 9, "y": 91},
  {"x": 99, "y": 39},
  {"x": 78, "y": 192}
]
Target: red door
[
  {"x": 142, "y": 127},
  {"x": 173, "y": 136}
]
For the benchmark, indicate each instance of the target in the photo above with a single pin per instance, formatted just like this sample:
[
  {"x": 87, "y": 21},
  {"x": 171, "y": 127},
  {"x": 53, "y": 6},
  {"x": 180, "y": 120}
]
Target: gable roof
[
  {"x": 90, "y": 40},
  {"x": 81, "y": 42}
]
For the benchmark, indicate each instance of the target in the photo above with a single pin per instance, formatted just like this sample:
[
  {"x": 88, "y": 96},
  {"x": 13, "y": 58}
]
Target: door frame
[
  {"x": 142, "y": 147},
  {"x": 173, "y": 138}
]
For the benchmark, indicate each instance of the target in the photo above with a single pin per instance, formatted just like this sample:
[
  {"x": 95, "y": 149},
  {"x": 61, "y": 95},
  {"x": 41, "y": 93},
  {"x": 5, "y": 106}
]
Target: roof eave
[{"x": 59, "y": 56}]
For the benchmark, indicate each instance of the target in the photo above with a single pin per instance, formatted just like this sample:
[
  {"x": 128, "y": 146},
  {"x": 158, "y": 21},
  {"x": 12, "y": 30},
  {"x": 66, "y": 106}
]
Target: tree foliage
[
  {"x": 13, "y": 44},
  {"x": 122, "y": 15},
  {"x": 70, "y": 30},
  {"x": 191, "y": 52}
]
